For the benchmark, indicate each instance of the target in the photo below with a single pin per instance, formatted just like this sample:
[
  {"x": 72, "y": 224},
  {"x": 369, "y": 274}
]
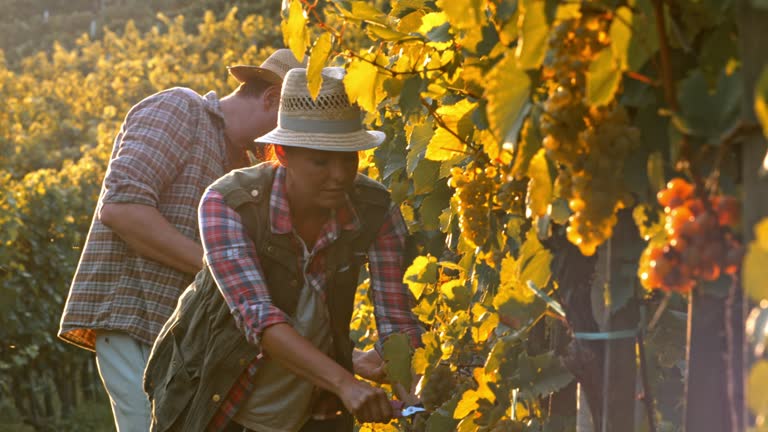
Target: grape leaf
[
  {"x": 761, "y": 100},
  {"x": 318, "y": 57},
  {"x": 534, "y": 32},
  {"x": 295, "y": 33},
  {"x": 507, "y": 91},
  {"x": 539, "y": 186},
  {"x": 755, "y": 272},
  {"x": 603, "y": 79},
  {"x": 397, "y": 355}
]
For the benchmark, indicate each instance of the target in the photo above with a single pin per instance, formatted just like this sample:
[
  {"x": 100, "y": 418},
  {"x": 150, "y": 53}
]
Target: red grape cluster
[{"x": 700, "y": 244}]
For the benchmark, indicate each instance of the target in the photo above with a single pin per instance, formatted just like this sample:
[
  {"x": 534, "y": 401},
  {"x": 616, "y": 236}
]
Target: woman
[{"x": 284, "y": 242}]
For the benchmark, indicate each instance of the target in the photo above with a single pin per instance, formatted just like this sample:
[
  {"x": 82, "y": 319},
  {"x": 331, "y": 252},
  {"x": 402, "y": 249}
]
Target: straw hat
[
  {"x": 273, "y": 69},
  {"x": 328, "y": 123}
]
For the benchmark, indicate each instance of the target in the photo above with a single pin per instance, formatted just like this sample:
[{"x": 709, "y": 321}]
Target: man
[
  {"x": 260, "y": 341},
  {"x": 143, "y": 245}
]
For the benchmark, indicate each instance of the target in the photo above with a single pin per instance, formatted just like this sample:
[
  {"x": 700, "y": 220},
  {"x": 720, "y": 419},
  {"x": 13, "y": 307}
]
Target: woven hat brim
[
  {"x": 349, "y": 141},
  {"x": 246, "y": 73}
]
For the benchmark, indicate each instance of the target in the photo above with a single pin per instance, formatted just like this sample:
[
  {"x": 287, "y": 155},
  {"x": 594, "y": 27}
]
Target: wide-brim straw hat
[
  {"x": 272, "y": 70},
  {"x": 327, "y": 123}
]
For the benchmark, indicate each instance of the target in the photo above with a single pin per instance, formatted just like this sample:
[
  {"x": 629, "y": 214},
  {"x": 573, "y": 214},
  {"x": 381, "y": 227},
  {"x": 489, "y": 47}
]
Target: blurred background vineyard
[{"x": 69, "y": 71}]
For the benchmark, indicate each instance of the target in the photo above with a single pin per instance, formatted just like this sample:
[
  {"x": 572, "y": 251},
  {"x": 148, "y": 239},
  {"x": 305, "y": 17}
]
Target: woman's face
[{"x": 319, "y": 179}]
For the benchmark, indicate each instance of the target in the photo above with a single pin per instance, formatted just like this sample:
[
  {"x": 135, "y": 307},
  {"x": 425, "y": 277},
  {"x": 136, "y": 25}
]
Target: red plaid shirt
[{"x": 232, "y": 258}]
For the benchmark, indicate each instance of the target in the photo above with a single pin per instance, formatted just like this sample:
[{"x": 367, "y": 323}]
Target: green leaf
[
  {"x": 761, "y": 100},
  {"x": 425, "y": 176},
  {"x": 709, "y": 114},
  {"x": 409, "y": 97},
  {"x": 418, "y": 139},
  {"x": 645, "y": 40},
  {"x": 534, "y": 32},
  {"x": 464, "y": 14},
  {"x": 507, "y": 91},
  {"x": 603, "y": 79},
  {"x": 433, "y": 206},
  {"x": 621, "y": 36},
  {"x": 397, "y": 355},
  {"x": 534, "y": 261},
  {"x": 757, "y": 397},
  {"x": 457, "y": 294},
  {"x": 318, "y": 57},
  {"x": 295, "y": 32},
  {"x": 656, "y": 171},
  {"x": 539, "y": 186}
]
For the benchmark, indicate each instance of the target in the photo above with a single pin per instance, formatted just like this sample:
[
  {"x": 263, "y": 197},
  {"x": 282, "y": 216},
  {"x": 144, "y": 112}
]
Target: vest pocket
[{"x": 176, "y": 391}]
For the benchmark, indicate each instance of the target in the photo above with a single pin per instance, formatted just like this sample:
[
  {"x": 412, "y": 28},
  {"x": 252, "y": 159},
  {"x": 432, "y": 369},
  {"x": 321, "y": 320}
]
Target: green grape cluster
[
  {"x": 475, "y": 188},
  {"x": 589, "y": 144},
  {"x": 439, "y": 387},
  {"x": 597, "y": 190}
]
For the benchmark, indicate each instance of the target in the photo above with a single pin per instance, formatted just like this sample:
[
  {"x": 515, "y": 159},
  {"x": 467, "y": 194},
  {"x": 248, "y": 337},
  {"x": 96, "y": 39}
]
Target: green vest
[{"x": 199, "y": 354}]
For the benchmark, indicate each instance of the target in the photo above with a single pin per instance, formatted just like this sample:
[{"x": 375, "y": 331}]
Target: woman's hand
[{"x": 365, "y": 402}]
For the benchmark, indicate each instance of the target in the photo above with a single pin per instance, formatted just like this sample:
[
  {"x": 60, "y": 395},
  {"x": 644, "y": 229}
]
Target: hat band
[{"x": 320, "y": 126}]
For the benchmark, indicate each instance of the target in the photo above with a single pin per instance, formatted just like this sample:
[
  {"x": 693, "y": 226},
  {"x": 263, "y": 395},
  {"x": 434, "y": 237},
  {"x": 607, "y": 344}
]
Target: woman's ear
[{"x": 280, "y": 154}]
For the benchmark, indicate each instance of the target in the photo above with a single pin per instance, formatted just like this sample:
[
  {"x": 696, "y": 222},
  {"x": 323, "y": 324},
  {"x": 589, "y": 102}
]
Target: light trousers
[{"x": 121, "y": 360}]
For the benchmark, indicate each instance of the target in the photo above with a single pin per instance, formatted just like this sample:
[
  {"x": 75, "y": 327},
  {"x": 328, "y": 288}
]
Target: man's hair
[{"x": 253, "y": 88}]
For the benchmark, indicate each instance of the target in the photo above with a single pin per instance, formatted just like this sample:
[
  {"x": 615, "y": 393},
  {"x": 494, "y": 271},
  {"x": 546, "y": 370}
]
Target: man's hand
[{"x": 369, "y": 365}]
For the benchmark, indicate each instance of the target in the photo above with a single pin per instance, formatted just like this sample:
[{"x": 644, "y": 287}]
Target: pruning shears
[{"x": 406, "y": 411}]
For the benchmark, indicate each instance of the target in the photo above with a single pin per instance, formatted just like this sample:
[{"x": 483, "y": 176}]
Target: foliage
[{"x": 544, "y": 119}]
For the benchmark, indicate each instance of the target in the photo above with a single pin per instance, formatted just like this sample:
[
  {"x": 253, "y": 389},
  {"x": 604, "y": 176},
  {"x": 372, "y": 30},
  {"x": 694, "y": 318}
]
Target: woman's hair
[{"x": 262, "y": 152}]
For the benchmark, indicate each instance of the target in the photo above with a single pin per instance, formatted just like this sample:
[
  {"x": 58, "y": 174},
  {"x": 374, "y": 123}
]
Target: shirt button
[
  {"x": 216, "y": 398},
  {"x": 255, "y": 193}
]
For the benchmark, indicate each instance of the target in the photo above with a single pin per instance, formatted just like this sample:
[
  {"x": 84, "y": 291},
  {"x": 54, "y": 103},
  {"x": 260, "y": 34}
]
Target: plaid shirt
[
  {"x": 170, "y": 147},
  {"x": 232, "y": 258}
]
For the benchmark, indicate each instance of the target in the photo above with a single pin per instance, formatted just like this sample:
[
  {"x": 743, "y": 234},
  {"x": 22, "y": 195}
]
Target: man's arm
[{"x": 147, "y": 232}]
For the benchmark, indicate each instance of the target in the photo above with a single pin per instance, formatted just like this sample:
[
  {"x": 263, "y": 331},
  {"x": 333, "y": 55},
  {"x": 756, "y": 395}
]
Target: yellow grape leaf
[
  {"x": 363, "y": 83},
  {"x": 467, "y": 425},
  {"x": 603, "y": 79},
  {"x": 507, "y": 91},
  {"x": 432, "y": 20},
  {"x": 318, "y": 57},
  {"x": 534, "y": 32},
  {"x": 445, "y": 144},
  {"x": 539, "y": 186},
  {"x": 365, "y": 11},
  {"x": 295, "y": 33},
  {"x": 464, "y": 14},
  {"x": 757, "y": 397},
  {"x": 761, "y": 102},
  {"x": 387, "y": 34},
  {"x": 468, "y": 402},
  {"x": 420, "y": 273},
  {"x": 411, "y": 22},
  {"x": 511, "y": 285},
  {"x": 467, "y": 405},
  {"x": 755, "y": 272}
]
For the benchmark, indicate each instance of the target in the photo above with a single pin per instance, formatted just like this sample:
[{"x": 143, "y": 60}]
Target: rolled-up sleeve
[
  {"x": 234, "y": 264},
  {"x": 151, "y": 148},
  {"x": 392, "y": 300}
]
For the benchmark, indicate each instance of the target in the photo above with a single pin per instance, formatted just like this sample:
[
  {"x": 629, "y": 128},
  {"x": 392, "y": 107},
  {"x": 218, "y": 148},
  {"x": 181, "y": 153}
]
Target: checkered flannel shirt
[
  {"x": 232, "y": 258},
  {"x": 170, "y": 147}
]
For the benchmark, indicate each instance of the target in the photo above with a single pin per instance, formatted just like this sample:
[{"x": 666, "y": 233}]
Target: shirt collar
[
  {"x": 212, "y": 104},
  {"x": 344, "y": 218}
]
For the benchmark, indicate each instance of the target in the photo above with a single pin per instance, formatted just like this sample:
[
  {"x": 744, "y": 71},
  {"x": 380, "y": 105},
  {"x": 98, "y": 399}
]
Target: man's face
[{"x": 318, "y": 178}]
